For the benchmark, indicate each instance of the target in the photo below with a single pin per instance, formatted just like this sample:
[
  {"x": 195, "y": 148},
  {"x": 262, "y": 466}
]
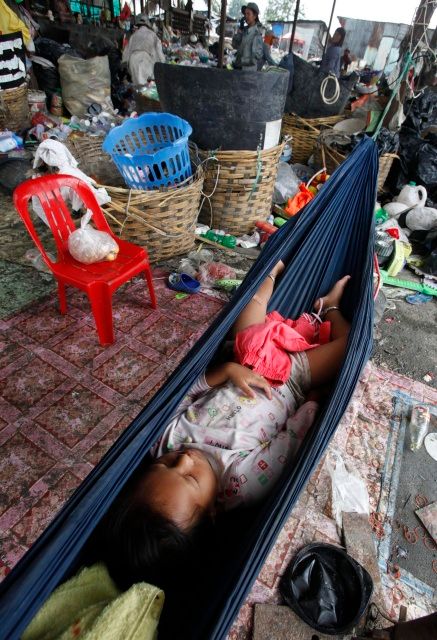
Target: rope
[{"x": 336, "y": 95}]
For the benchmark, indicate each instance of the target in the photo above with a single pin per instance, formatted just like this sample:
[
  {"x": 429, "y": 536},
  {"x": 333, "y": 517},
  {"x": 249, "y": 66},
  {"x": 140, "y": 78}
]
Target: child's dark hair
[{"x": 141, "y": 545}]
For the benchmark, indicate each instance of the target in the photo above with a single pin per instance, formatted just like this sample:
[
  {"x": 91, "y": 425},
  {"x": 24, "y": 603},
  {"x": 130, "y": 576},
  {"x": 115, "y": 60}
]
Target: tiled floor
[{"x": 64, "y": 399}]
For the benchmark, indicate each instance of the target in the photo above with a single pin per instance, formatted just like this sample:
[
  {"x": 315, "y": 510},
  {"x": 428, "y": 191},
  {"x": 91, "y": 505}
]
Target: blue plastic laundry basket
[{"x": 151, "y": 151}]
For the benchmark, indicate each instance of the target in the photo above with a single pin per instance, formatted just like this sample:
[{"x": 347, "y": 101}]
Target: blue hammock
[{"x": 331, "y": 237}]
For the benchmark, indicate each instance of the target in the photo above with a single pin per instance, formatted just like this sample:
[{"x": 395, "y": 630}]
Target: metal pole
[
  {"x": 222, "y": 35},
  {"x": 329, "y": 27},
  {"x": 293, "y": 31}
]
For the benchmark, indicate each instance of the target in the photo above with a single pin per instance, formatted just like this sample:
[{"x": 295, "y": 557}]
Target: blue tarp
[{"x": 331, "y": 237}]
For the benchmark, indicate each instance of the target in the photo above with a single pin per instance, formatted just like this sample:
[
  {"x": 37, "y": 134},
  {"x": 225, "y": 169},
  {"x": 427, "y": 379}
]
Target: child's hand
[{"x": 245, "y": 379}]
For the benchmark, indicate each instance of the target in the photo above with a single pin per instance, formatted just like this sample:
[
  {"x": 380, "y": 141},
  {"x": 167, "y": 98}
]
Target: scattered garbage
[
  {"x": 220, "y": 237},
  {"x": 286, "y": 185},
  {"x": 89, "y": 245},
  {"x": 210, "y": 272},
  {"x": 419, "y": 424},
  {"x": 183, "y": 282},
  {"x": 85, "y": 82},
  {"x": 431, "y": 445},
  {"x": 418, "y": 298},
  {"x": 9, "y": 141},
  {"x": 411, "y": 195},
  {"x": 349, "y": 491},
  {"x": 249, "y": 241},
  {"x": 401, "y": 552},
  {"x": 422, "y": 219}
]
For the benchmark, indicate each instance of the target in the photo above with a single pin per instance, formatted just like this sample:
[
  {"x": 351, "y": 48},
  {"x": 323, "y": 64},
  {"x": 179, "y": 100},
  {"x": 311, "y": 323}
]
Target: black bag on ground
[{"x": 326, "y": 588}]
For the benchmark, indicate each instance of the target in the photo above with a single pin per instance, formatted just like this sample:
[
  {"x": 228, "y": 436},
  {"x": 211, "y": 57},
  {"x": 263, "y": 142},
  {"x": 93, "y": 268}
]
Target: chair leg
[
  {"x": 62, "y": 297},
  {"x": 149, "y": 280},
  {"x": 101, "y": 306}
]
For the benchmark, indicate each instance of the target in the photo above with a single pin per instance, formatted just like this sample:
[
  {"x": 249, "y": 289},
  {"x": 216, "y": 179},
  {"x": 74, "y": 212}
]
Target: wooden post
[
  {"x": 293, "y": 31},
  {"x": 209, "y": 18},
  {"x": 222, "y": 35},
  {"x": 329, "y": 27}
]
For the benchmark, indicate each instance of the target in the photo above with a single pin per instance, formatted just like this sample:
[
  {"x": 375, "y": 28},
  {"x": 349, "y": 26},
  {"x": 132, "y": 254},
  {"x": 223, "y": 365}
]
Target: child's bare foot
[
  {"x": 277, "y": 269},
  {"x": 332, "y": 299}
]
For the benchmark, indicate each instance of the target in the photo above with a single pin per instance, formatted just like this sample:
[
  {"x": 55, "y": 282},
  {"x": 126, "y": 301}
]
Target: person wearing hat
[
  {"x": 248, "y": 40},
  {"x": 142, "y": 51}
]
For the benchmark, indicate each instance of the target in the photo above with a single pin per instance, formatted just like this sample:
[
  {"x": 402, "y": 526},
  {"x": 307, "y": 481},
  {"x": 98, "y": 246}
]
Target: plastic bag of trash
[
  {"x": 85, "y": 82},
  {"x": 89, "y": 245},
  {"x": 286, "y": 185},
  {"x": 422, "y": 219},
  {"x": 349, "y": 491}
]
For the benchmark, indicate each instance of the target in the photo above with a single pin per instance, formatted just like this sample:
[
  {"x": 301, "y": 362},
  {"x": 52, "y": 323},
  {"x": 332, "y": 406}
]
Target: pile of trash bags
[{"x": 418, "y": 144}]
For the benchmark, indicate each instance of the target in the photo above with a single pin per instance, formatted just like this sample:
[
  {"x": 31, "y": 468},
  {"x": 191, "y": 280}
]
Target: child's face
[{"x": 180, "y": 486}]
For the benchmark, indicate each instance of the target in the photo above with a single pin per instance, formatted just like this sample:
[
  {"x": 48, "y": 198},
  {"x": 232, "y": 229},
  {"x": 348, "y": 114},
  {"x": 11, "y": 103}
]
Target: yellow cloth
[
  {"x": 90, "y": 607},
  {"x": 10, "y": 22}
]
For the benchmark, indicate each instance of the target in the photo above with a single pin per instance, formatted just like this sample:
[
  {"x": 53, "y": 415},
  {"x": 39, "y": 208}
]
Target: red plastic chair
[{"x": 98, "y": 280}]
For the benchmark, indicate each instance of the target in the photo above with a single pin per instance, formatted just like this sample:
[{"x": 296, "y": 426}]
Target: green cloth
[{"x": 90, "y": 607}]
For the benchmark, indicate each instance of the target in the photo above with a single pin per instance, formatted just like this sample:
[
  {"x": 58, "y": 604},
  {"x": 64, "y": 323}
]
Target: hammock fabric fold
[{"x": 331, "y": 237}]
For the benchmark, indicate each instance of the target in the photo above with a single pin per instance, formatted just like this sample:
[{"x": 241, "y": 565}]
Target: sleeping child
[{"x": 233, "y": 435}]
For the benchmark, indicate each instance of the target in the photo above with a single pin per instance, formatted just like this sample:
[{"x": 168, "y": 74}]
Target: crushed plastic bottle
[{"x": 419, "y": 424}]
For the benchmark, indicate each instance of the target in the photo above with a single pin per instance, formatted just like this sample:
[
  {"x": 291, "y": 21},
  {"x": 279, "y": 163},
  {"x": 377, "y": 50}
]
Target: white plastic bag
[
  {"x": 89, "y": 245},
  {"x": 349, "y": 491},
  {"x": 286, "y": 185},
  {"x": 85, "y": 82}
]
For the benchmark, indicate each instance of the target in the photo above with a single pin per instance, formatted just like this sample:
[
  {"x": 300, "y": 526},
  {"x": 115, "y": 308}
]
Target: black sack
[{"x": 326, "y": 588}]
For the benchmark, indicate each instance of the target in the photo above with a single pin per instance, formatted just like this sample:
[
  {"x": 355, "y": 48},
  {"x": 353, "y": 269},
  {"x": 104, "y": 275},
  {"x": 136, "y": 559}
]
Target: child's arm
[{"x": 240, "y": 376}]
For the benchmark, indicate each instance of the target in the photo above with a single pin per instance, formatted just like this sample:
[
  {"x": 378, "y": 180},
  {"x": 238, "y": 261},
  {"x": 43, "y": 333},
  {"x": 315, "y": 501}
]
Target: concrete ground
[{"x": 406, "y": 338}]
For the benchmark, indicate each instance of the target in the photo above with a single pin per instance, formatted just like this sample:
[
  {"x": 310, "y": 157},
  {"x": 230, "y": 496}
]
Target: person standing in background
[
  {"x": 248, "y": 40},
  {"x": 142, "y": 51},
  {"x": 331, "y": 59}
]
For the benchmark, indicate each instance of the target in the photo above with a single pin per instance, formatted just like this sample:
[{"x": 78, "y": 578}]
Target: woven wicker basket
[
  {"x": 93, "y": 160},
  {"x": 304, "y": 133},
  {"x": 162, "y": 221},
  {"x": 14, "y": 109},
  {"x": 239, "y": 187},
  {"x": 331, "y": 159}
]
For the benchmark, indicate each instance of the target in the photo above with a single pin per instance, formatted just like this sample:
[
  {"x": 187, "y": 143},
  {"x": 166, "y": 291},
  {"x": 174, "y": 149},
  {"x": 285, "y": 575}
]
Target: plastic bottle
[
  {"x": 412, "y": 195},
  {"x": 225, "y": 240},
  {"x": 419, "y": 424}
]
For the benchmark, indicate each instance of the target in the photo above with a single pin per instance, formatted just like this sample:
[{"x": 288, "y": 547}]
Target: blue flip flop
[{"x": 183, "y": 282}]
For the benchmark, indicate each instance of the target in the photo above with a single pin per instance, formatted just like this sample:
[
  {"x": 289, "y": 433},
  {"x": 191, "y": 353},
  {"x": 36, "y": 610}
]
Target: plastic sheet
[
  {"x": 327, "y": 588},
  {"x": 286, "y": 184}
]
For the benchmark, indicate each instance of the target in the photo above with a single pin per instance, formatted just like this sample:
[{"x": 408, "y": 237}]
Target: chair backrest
[{"x": 50, "y": 191}]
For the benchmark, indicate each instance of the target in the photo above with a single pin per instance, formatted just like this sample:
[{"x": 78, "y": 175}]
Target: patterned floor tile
[
  {"x": 124, "y": 371},
  {"x": 74, "y": 415},
  {"x": 165, "y": 336},
  {"x": 97, "y": 452},
  {"x": 23, "y": 463},
  {"x": 199, "y": 308},
  {"x": 45, "y": 324},
  {"x": 25, "y": 387},
  {"x": 10, "y": 352},
  {"x": 81, "y": 348},
  {"x": 42, "y": 512}
]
